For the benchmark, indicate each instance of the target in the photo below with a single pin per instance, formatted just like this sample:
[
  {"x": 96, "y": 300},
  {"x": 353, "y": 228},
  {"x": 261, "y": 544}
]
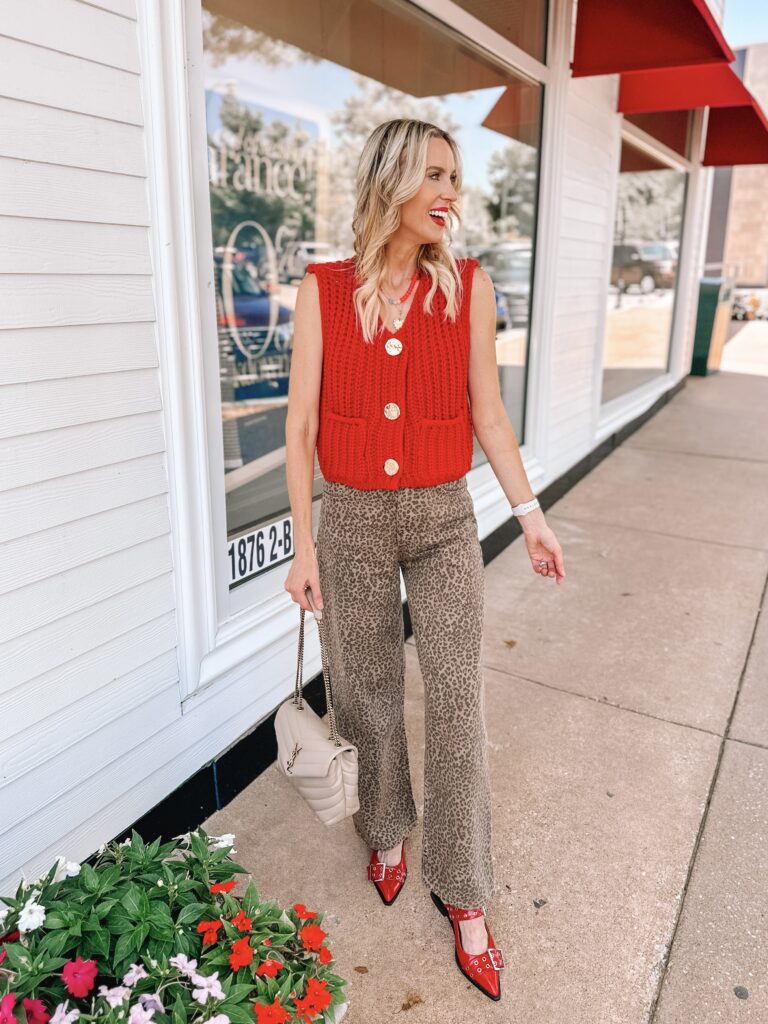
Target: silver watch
[{"x": 527, "y": 506}]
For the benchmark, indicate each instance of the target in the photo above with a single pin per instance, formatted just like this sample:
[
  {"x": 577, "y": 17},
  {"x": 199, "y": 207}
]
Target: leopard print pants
[{"x": 364, "y": 538}]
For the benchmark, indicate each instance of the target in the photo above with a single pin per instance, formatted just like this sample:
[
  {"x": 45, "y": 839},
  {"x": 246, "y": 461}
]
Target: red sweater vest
[{"x": 394, "y": 413}]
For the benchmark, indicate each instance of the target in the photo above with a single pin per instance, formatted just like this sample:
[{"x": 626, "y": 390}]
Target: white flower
[
  {"x": 31, "y": 916},
  {"x": 151, "y": 1002},
  {"x": 183, "y": 838},
  {"x": 62, "y": 1017},
  {"x": 182, "y": 963},
  {"x": 134, "y": 974},
  {"x": 66, "y": 869},
  {"x": 114, "y": 996},
  {"x": 220, "y": 1018},
  {"x": 140, "y": 1015},
  {"x": 125, "y": 842},
  {"x": 160, "y": 881},
  {"x": 210, "y": 987},
  {"x": 228, "y": 839}
]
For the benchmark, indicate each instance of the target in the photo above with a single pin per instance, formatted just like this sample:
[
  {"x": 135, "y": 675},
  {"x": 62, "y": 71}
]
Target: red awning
[
  {"x": 736, "y": 135},
  {"x": 708, "y": 85},
  {"x": 737, "y": 128},
  {"x": 627, "y": 35}
]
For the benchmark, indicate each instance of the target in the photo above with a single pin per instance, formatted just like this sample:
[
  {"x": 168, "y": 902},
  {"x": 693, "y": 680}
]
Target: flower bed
[{"x": 154, "y": 933}]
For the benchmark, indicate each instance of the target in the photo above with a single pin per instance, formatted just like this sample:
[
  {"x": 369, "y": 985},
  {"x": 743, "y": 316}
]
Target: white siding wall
[
  {"x": 589, "y": 176},
  {"x": 87, "y": 625}
]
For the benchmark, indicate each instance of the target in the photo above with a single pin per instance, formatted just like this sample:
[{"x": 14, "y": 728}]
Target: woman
[{"x": 390, "y": 347}]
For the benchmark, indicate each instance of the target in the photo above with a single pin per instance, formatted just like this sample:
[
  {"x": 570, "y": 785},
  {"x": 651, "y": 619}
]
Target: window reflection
[
  {"x": 290, "y": 99},
  {"x": 648, "y": 222}
]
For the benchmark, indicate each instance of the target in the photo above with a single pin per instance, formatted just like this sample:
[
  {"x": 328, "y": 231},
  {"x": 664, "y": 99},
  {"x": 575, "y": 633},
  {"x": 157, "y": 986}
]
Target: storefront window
[
  {"x": 292, "y": 91},
  {"x": 647, "y": 229}
]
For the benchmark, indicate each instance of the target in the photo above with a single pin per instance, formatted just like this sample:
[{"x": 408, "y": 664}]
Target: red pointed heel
[
  {"x": 482, "y": 969},
  {"x": 388, "y": 878}
]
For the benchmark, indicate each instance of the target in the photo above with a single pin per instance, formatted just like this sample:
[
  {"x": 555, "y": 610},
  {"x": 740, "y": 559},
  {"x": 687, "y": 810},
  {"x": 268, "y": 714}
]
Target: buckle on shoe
[
  {"x": 377, "y": 872},
  {"x": 494, "y": 955}
]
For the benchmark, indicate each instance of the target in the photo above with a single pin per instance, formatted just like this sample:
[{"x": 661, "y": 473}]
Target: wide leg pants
[{"x": 364, "y": 538}]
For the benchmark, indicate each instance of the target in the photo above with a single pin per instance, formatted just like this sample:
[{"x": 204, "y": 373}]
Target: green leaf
[
  {"x": 239, "y": 992},
  {"x": 54, "y": 920},
  {"x": 179, "y": 1015},
  {"x": 53, "y": 943},
  {"x": 118, "y": 921},
  {"x": 89, "y": 878},
  {"x": 139, "y": 933},
  {"x": 286, "y": 987},
  {"x": 192, "y": 912},
  {"x": 132, "y": 901},
  {"x": 238, "y": 1013},
  {"x": 125, "y": 947},
  {"x": 18, "y": 956},
  {"x": 100, "y": 942},
  {"x": 143, "y": 905}
]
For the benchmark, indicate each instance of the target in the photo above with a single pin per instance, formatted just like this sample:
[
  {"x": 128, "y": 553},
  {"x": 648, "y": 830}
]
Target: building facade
[{"x": 169, "y": 170}]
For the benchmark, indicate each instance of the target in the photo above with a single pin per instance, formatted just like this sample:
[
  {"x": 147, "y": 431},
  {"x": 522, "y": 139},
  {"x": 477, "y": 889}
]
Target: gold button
[
  {"x": 394, "y": 346},
  {"x": 391, "y": 410},
  {"x": 391, "y": 466}
]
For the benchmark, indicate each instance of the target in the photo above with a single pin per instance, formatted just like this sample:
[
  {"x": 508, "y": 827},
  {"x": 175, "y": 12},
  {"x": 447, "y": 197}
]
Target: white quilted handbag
[{"x": 322, "y": 767}]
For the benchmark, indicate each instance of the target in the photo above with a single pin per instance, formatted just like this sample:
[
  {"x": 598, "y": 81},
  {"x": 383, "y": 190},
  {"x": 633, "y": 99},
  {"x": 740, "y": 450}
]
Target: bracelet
[{"x": 527, "y": 506}]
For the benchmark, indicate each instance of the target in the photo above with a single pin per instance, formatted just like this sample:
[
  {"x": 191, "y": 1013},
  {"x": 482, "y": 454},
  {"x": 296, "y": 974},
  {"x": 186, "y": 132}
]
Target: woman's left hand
[{"x": 544, "y": 550}]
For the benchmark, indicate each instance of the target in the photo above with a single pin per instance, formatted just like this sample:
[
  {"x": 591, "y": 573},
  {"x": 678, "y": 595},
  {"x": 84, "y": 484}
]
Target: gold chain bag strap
[{"x": 321, "y": 767}]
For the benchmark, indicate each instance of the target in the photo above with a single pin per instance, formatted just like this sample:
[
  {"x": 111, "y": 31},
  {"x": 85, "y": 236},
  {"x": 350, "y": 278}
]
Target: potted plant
[{"x": 154, "y": 933}]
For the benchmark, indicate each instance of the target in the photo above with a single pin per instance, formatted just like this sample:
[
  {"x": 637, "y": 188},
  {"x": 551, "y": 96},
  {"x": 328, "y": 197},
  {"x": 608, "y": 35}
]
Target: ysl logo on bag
[{"x": 292, "y": 758}]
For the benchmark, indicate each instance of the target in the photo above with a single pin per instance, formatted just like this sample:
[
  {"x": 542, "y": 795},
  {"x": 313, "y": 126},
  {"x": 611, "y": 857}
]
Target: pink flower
[
  {"x": 79, "y": 976},
  {"x": 36, "y": 1011},
  {"x": 7, "y": 1004}
]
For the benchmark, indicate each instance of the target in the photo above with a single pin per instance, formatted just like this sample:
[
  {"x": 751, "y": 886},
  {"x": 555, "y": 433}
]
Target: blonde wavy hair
[{"x": 391, "y": 170}]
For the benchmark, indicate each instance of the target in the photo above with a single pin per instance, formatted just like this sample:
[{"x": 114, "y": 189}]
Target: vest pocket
[
  {"x": 441, "y": 447},
  {"x": 341, "y": 444}
]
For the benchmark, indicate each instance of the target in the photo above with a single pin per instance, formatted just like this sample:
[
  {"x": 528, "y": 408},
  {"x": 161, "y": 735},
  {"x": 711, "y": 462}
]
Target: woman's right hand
[{"x": 304, "y": 572}]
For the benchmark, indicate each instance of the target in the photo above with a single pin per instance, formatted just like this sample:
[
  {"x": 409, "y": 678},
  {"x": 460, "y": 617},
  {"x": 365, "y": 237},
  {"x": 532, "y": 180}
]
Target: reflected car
[
  {"x": 251, "y": 300},
  {"x": 648, "y": 265},
  {"x": 292, "y": 262},
  {"x": 509, "y": 267}
]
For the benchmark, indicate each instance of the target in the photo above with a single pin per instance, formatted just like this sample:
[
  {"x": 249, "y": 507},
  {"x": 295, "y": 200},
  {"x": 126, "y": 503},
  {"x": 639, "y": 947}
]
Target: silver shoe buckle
[
  {"x": 495, "y": 957},
  {"x": 377, "y": 872}
]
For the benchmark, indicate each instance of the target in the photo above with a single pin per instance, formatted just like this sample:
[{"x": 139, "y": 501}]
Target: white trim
[{"x": 172, "y": 244}]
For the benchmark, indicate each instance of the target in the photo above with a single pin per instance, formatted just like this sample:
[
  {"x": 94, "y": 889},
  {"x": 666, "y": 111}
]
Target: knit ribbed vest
[{"x": 393, "y": 413}]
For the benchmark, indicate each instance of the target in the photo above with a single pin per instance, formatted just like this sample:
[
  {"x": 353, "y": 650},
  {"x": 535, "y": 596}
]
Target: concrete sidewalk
[{"x": 627, "y": 717}]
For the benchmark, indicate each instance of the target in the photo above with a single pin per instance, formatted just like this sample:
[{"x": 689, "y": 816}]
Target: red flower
[
  {"x": 241, "y": 954},
  {"x": 318, "y": 994},
  {"x": 267, "y": 942},
  {"x": 325, "y": 955},
  {"x": 272, "y": 1013},
  {"x": 36, "y": 1011},
  {"x": 302, "y": 911},
  {"x": 242, "y": 922},
  {"x": 269, "y": 968},
  {"x": 224, "y": 886},
  {"x": 315, "y": 1001},
  {"x": 6, "y": 1006},
  {"x": 210, "y": 930},
  {"x": 79, "y": 976},
  {"x": 312, "y": 936}
]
